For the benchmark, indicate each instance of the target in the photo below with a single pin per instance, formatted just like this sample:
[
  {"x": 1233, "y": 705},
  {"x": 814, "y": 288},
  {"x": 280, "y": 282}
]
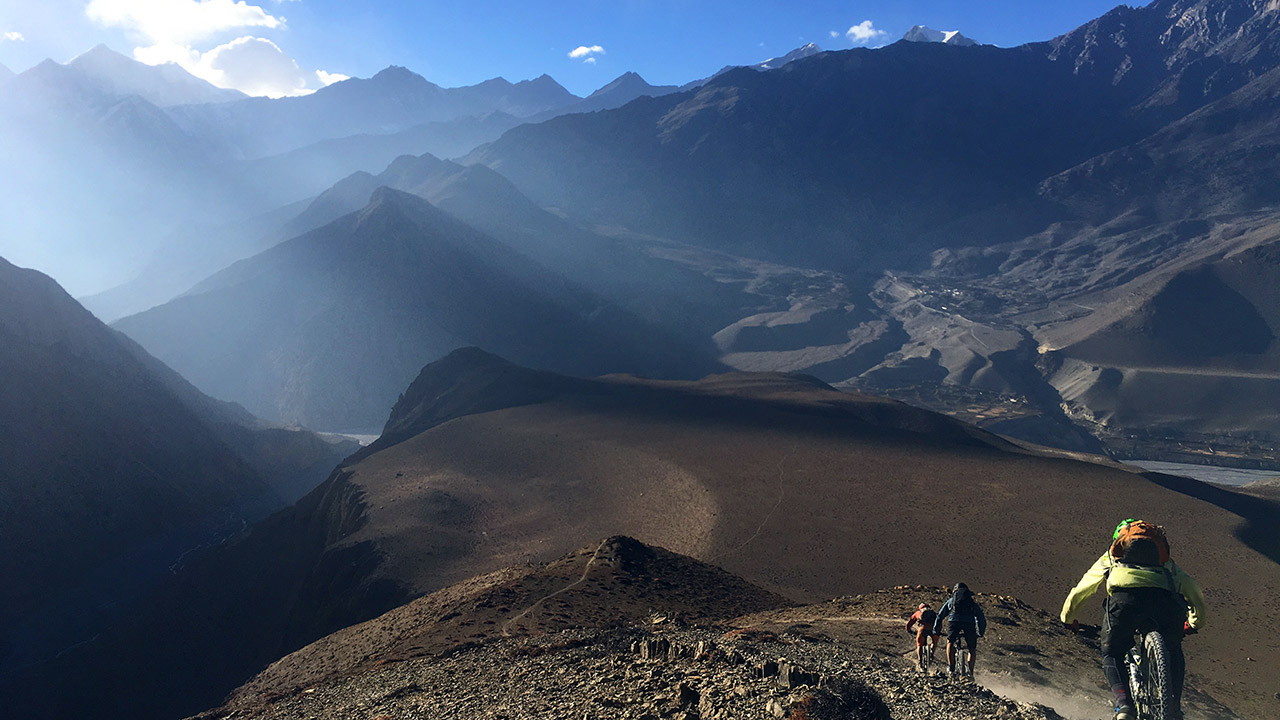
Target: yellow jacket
[{"x": 1119, "y": 575}]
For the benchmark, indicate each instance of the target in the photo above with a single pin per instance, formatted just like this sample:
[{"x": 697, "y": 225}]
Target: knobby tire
[{"x": 1156, "y": 695}]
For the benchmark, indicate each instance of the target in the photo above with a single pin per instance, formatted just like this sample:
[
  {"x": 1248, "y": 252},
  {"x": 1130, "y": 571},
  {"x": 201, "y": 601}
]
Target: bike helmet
[
  {"x": 923, "y": 606},
  {"x": 1120, "y": 528}
]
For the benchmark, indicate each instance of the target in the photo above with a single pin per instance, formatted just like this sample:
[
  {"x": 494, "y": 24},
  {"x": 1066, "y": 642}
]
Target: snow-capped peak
[
  {"x": 922, "y": 33},
  {"x": 800, "y": 52}
]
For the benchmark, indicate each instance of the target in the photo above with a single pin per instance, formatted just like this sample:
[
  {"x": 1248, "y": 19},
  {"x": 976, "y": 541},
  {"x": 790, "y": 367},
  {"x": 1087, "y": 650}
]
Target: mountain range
[
  {"x": 993, "y": 199},
  {"x": 144, "y": 152}
]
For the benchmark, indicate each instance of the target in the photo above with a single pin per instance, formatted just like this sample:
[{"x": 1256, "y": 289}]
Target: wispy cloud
[
  {"x": 865, "y": 33},
  {"x": 14, "y": 37},
  {"x": 586, "y": 53}
]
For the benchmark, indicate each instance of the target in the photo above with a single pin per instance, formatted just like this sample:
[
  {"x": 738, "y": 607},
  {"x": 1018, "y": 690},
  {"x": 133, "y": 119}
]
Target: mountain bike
[
  {"x": 964, "y": 659},
  {"x": 1150, "y": 680}
]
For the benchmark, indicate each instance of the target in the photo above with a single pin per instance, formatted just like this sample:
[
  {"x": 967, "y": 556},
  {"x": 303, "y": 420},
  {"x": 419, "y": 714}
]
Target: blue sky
[{"x": 283, "y": 43}]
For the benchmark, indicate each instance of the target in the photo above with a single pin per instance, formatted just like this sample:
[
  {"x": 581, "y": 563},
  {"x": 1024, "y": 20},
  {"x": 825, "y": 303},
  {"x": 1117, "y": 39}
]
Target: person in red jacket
[{"x": 922, "y": 622}]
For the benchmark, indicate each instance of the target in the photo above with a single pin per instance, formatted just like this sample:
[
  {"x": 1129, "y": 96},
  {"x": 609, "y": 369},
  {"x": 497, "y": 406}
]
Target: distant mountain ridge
[
  {"x": 162, "y": 85},
  {"x": 393, "y": 100}
]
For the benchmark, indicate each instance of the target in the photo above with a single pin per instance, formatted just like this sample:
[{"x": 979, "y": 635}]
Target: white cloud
[
  {"x": 258, "y": 67},
  {"x": 586, "y": 52},
  {"x": 865, "y": 33},
  {"x": 252, "y": 65},
  {"x": 180, "y": 22},
  {"x": 14, "y": 37},
  {"x": 835, "y": 33},
  {"x": 329, "y": 78},
  {"x": 172, "y": 31}
]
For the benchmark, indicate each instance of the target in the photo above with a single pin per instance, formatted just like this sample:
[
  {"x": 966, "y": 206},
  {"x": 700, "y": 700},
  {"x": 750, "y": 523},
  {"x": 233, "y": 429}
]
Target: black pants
[{"x": 1126, "y": 610}]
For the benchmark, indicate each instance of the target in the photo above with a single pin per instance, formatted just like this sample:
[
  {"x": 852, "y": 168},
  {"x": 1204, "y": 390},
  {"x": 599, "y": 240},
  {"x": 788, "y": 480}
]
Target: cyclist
[
  {"x": 1143, "y": 583},
  {"x": 922, "y": 624},
  {"x": 964, "y": 617}
]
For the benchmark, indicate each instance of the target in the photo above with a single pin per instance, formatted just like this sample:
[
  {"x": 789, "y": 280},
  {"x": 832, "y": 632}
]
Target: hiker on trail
[
  {"x": 1143, "y": 583},
  {"x": 964, "y": 617},
  {"x": 922, "y": 624}
]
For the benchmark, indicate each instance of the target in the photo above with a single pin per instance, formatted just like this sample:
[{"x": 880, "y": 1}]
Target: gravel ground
[{"x": 644, "y": 674}]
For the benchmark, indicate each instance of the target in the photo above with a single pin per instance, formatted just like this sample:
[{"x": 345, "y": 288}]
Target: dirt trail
[{"x": 506, "y": 627}]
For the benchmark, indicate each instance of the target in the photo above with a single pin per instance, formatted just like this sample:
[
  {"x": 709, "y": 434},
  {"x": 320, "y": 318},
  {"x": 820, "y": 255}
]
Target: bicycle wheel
[{"x": 1155, "y": 698}]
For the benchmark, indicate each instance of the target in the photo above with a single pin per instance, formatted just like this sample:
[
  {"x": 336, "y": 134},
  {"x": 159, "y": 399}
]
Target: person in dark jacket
[{"x": 964, "y": 617}]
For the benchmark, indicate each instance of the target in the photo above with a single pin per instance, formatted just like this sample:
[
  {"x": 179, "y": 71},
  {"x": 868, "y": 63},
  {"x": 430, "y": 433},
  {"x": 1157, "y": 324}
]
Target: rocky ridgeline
[{"x": 658, "y": 673}]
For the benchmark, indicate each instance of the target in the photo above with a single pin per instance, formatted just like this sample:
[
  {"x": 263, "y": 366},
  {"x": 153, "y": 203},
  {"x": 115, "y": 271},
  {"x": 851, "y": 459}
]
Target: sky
[{"x": 283, "y": 47}]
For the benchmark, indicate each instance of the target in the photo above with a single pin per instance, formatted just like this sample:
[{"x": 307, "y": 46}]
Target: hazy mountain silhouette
[
  {"x": 325, "y": 329},
  {"x": 306, "y": 172},
  {"x": 161, "y": 85},
  {"x": 393, "y": 100},
  {"x": 5, "y": 73},
  {"x": 619, "y": 92},
  {"x": 664, "y": 293},
  {"x": 523, "y": 99},
  {"x": 128, "y": 170}
]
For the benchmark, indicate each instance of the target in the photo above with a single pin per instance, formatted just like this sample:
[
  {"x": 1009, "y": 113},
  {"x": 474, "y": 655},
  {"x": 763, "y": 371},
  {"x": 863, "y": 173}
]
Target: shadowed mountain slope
[
  {"x": 1169, "y": 57},
  {"x": 108, "y": 475},
  {"x": 327, "y": 328},
  {"x": 1220, "y": 159},
  {"x": 792, "y": 164}
]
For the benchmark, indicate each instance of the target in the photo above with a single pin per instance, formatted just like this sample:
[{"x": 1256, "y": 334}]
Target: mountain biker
[
  {"x": 1142, "y": 583},
  {"x": 964, "y": 617},
  {"x": 922, "y": 622}
]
